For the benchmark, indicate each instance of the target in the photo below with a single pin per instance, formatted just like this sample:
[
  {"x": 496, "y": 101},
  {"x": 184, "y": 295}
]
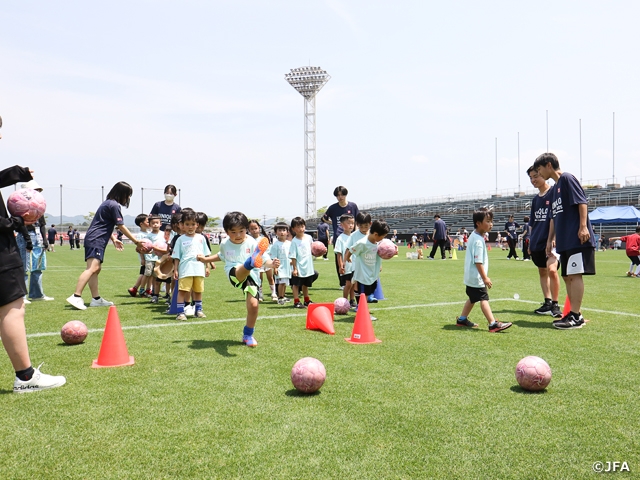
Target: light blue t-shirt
[
  {"x": 152, "y": 237},
  {"x": 301, "y": 251},
  {"x": 280, "y": 250},
  {"x": 476, "y": 253},
  {"x": 341, "y": 247},
  {"x": 234, "y": 255},
  {"x": 367, "y": 261},
  {"x": 186, "y": 250},
  {"x": 354, "y": 237}
]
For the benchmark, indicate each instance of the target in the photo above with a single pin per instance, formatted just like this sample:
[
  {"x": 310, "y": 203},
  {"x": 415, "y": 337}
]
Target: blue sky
[{"x": 193, "y": 93}]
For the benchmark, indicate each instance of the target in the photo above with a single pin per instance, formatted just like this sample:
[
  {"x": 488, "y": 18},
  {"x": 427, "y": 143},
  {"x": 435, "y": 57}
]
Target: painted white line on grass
[{"x": 303, "y": 315}]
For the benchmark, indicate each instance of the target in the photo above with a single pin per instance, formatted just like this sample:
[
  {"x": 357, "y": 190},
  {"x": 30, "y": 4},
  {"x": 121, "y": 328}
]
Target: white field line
[{"x": 302, "y": 314}]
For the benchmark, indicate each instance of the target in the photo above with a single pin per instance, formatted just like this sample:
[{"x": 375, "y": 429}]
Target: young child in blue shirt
[
  {"x": 345, "y": 268},
  {"x": 280, "y": 250},
  {"x": 302, "y": 274},
  {"x": 187, "y": 270},
  {"x": 476, "y": 269},
  {"x": 367, "y": 261},
  {"x": 142, "y": 221},
  {"x": 243, "y": 256}
]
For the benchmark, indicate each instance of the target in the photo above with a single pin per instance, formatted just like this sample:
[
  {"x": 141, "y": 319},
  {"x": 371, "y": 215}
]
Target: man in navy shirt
[
  {"x": 571, "y": 232},
  {"x": 439, "y": 236},
  {"x": 334, "y": 212},
  {"x": 511, "y": 228},
  {"x": 323, "y": 235}
]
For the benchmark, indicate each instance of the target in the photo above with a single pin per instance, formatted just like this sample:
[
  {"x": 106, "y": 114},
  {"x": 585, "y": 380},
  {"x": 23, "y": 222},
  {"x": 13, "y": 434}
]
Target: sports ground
[{"x": 431, "y": 401}]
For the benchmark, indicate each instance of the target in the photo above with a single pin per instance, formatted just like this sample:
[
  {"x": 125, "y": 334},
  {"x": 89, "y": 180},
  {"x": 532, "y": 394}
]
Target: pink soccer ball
[
  {"x": 160, "y": 244},
  {"x": 318, "y": 249},
  {"x": 74, "y": 332},
  {"x": 308, "y": 375},
  {"x": 387, "y": 249},
  {"x": 341, "y": 306},
  {"x": 147, "y": 245},
  {"x": 27, "y": 203},
  {"x": 533, "y": 373}
]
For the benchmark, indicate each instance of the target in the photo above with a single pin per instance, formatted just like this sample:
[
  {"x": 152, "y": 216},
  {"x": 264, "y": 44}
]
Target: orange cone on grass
[
  {"x": 320, "y": 317},
  {"x": 362, "y": 327},
  {"x": 113, "y": 350},
  {"x": 567, "y": 307}
]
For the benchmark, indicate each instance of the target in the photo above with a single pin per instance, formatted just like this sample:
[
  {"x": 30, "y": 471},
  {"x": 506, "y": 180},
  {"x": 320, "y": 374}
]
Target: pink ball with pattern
[
  {"x": 147, "y": 245},
  {"x": 74, "y": 332},
  {"x": 387, "y": 249},
  {"x": 533, "y": 373},
  {"x": 341, "y": 306},
  {"x": 308, "y": 375},
  {"x": 26, "y": 203},
  {"x": 318, "y": 249}
]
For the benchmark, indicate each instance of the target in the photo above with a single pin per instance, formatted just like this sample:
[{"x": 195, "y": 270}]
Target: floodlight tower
[{"x": 308, "y": 81}]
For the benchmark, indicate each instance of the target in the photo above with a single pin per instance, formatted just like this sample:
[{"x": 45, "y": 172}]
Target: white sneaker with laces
[
  {"x": 76, "y": 302},
  {"x": 39, "y": 381},
  {"x": 189, "y": 310},
  {"x": 101, "y": 302},
  {"x": 42, "y": 299}
]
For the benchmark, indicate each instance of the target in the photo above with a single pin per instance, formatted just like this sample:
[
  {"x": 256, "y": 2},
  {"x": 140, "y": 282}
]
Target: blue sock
[
  {"x": 247, "y": 264},
  {"x": 248, "y": 331},
  {"x": 198, "y": 305},
  {"x": 462, "y": 317},
  {"x": 180, "y": 307}
]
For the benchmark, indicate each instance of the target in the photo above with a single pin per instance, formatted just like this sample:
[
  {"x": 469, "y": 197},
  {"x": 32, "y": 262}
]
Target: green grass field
[{"x": 430, "y": 401}]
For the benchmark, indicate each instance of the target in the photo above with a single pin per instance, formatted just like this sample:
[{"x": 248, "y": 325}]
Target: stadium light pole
[
  {"x": 614, "y": 148},
  {"x": 519, "y": 190},
  {"x": 308, "y": 81},
  {"x": 580, "y": 128}
]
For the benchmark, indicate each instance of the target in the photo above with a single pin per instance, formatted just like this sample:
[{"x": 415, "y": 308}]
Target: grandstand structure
[{"x": 409, "y": 217}]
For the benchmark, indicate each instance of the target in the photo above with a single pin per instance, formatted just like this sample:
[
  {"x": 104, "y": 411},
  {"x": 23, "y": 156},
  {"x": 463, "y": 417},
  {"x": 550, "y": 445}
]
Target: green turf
[{"x": 430, "y": 401}]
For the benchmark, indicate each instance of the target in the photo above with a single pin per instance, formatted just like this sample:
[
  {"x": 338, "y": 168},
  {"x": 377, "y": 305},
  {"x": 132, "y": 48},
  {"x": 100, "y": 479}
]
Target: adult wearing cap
[
  {"x": 34, "y": 253},
  {"x": 334, "y": 212}
]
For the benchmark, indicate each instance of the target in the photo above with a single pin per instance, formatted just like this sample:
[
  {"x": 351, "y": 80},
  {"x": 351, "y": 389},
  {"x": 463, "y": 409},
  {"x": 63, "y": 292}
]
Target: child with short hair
[
  {"x": 302, "y": 275},
  {"x": 632, "y": 248},
  {"x": 142, "y": 221},
  {"x": 151, "y": 258},
  {"x": 476, "y": 268},
  {"x": 363, "y": 223},
  {"x": 280, "y": 249},
  {"x": 346, "y": 268},
  {"x": 187, "y": 270},
  {"x": 526, "y": 237},
  {"x": 243, "y": 256},
  {"x": 367, "y": 261},
  {"x": 257, "y": 231}
]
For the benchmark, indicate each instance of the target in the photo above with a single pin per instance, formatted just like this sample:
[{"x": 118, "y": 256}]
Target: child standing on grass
[
  {"x": 363, "y": 223},
  {"x": 107, "y": 216},
  {"x": 632, "y": 247},
  {"x": 243, "y": 256},
  {"x": 345, "y": 268},
  {"x": 476, "y": 268},
  {"x": 151, "y": 258},
  {"x": 302, "y": 275},
  {"x": 280, "y": 250},
  {"x": 141, "y": 221},
  {"x": 367, "y": 261},
  {"x": 187, "y": 270},
  {"x": 257, "y": 231}
]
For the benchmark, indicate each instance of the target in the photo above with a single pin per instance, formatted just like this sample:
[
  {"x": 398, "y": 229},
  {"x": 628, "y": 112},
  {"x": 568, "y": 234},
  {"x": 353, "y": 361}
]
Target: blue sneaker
[
  {"x": 256, "y": 256},
  {"x": 249, "y": 341},
  {"x": 372, "y": 299}
]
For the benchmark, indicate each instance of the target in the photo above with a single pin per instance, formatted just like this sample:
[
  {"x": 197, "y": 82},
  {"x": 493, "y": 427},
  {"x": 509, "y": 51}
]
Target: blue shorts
[{"x": 93, "y": 252}]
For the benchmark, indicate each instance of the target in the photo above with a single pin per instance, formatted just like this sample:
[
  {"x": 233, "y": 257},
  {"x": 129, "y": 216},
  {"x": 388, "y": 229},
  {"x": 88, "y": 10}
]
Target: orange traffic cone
[
  {"x": 362, "y": 327},
  {"x": 567, "y": 307},
  {"x": 113, "y": 350},
  {"x": 320, "y": 317}
]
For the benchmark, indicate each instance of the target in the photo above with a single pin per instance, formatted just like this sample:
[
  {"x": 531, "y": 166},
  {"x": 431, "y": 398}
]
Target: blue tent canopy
[{"x": 608, "y": 215}]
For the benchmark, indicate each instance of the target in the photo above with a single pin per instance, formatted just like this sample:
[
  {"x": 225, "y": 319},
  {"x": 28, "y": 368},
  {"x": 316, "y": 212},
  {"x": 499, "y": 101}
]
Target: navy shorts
[
  {"x": 580, "y": 261},
  {"x": 347, "y": 277},
  {"x": 539, "y": 258},
  {"x": 93, "y": 252},
  {"x": 476, "y": 294},
  {"x": 634, "y": 259},
  {"x": 368, "y": 289}
]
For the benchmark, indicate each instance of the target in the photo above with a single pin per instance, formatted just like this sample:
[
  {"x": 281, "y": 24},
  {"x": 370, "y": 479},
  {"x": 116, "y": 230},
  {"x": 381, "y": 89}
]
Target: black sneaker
[
  {"x": 545, "y": 309},
  {"x": 555, "y": 311},
  {"x": 569, "y": 322},
  {"x": 306, "y": 304},
  {"x": 499, "y": 326},
  {"x": 465, "y": 323},
  {"x": 298, "y": 305}
]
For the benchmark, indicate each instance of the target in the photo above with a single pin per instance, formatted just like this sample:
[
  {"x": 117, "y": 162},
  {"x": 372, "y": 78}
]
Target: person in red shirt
[{"x": 633, "y": 251}]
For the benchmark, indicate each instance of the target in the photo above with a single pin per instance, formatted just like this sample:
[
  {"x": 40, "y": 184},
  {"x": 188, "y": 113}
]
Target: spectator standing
[{"x": 439, "y": 237}]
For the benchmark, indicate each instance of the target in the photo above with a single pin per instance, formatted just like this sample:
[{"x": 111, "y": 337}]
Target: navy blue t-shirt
[
  {"x": 439, "y": 230},
  {"x": 510, "y": 228},
  {"x": 323, "y": 231},
  {"x": 334, "y": 212},
  {"x": 165, "y": 211},
  {"x": 567, "y": 195},
  {"x": 540, "y": 219},
  {"x": 106, "y": 218}
]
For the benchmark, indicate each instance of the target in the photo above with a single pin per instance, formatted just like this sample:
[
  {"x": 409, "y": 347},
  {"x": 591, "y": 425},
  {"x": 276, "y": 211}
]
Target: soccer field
[{"x": 431, "y": 401}]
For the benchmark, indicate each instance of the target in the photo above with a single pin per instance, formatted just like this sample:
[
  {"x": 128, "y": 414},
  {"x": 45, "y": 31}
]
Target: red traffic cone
[
  {"x": 567, "y": 307},
  {"x": 320, "y": 317},
  {"x": 113, "y": 350},
  {"x": 362, "y": 327}
]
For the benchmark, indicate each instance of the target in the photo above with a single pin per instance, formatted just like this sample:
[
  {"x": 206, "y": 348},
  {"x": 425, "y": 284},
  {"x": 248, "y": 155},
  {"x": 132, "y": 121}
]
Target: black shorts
[
  {"x": 476, "y": 294},
  {"x": 539, "y": 258},
  {"x": 635, "y": 259},
  {"x": 141, "y": 269},
  {"x": 347, "y": 277},
  {"x": 304, "y": 281},
  {"x": 368, "y": 289},
  {"x": 579, "y": 261},
  {"x": 248, "y": 285},
  {"x": 13, "y": 286}
]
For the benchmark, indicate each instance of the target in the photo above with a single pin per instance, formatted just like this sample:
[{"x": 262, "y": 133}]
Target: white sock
[{"x": 638, "y": 270}]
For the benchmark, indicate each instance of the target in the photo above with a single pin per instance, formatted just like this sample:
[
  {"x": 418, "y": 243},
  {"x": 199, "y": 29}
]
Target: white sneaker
[
  {"x": 274, "y": 297},
  {"x": 101, "y": 302},
  {"x": 39, "y": 381},
  {"x": 26, "y": 301},
  {"x": 43, "y": 299},
  {"x": 76, "y": 302},
  {"x": 189, "y": 310}
]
